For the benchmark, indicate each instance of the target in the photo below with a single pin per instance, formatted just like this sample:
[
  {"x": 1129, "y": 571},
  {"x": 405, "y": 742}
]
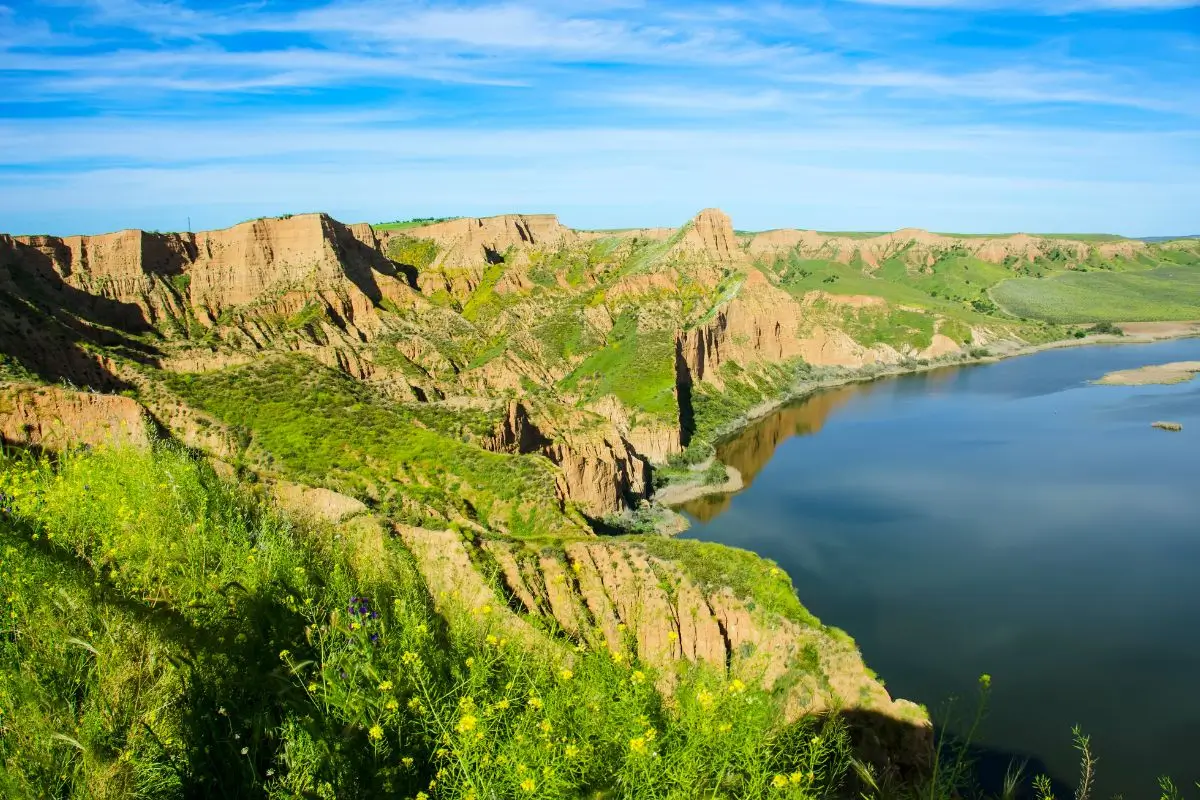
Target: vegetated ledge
[{"x": 690, "y": 484}]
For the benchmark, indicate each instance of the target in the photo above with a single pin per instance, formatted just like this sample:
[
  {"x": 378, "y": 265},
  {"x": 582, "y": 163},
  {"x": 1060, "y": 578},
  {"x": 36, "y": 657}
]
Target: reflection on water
[
  {"x": 754, "y": 446},
  {"x": 1008, "y": 519}
]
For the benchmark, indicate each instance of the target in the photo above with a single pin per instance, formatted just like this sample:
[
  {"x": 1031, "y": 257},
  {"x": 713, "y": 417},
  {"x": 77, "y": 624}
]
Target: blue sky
[{"x": 958, "y": 115}]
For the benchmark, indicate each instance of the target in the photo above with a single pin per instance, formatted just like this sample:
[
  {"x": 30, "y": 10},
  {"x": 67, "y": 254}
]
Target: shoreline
[{"x": 679, "y": 493}]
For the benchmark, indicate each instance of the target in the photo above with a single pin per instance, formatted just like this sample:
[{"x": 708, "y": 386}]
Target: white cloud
[{"x": 1047, "y": 7}]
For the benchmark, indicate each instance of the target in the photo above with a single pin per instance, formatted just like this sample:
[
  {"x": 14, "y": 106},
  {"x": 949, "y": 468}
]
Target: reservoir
[{"x": 1010, "y": 519}]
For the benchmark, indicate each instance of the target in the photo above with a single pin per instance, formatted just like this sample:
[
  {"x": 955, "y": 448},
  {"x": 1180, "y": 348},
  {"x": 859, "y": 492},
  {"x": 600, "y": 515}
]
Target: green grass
[
  {"x": 1163, "y": 293},
  {"x": 320, "y": 426},
  {"x": 750, "y": 576},
  {"x": 416, "y": 222},
  {"x": 638, "y": 367},
  {"x": 418, "y": 253},
  {"x": 165, "y": 635}
]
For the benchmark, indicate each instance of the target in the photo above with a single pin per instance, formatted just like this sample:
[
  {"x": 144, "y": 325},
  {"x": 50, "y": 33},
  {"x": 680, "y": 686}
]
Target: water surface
[{"x": 1007, "y": 518}]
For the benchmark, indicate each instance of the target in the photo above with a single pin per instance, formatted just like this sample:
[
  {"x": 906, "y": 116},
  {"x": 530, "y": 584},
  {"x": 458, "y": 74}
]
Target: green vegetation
[
  {"x": 418, "y": 253},
  {"x": 167, "y": 635},
  {"x": 636, "y": 366},
  {"x": 322, "y": 427},
  {"x": 748, "y": 575},
  {"x": 715, "y": 409},
  {"x": 415, "y": 222},
  {"x": 1162, "y": 293}
]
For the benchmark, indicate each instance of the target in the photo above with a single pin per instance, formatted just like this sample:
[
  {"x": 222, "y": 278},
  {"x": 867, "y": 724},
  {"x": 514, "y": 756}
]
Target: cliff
[{"x": 52, "y": 418}]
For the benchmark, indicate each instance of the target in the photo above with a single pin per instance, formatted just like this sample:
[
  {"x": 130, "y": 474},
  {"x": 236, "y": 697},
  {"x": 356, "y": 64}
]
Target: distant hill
[{"x": 1156, "y": 239}]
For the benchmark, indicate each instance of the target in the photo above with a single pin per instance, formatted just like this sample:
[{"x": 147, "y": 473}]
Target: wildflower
[
  {"x": 485, "y": 610},
  {"x": 386, "y": 686},
  {"x": 796, "y": 778},
  {"x": 704, "y": 699},
  {"x": 414, "y": 705},
  {"x": 245, "y": 750},
  {"x": 724, "y": 727},
  {"x": 410, "y": 659},
  {"x": 535, "y": 703},
  {"x": 816, "y": 741},
  {"x": 270, "y": 772},
  {"x": 546, "y": 726},
  {"x": 491, "y": 639},
  {"x": 638, "y": 745},
  {"x": 617, "y": 656},
  {"x": 528, "y": 786},
  {"x": 638, "y": 676},
  {"x": 570, "y": 751},
  {"x": 779, "y": 781},
  {"x": 422, "y": 796},
  {"x": 985, "y": 681},
  {"x": 621, "y": 627},
  {"x": 392, "y": 705},
  {"x": 774, "y": 572},
  {"x": 577, "y": 567},
  {"x": 501, "y": 704},
  {"x": 470, "y": 662},
  {"x": 376, "y": 732},
  {"x": 566, "y": 674},
  {"x": 312, "y": 687},
  {"x": 736, "y": 686},
  {"x": 407, "y": 761},
  {"x": 466, "y": 723}
]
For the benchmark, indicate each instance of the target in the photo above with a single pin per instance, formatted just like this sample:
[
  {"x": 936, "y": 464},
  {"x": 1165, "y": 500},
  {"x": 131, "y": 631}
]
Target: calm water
[{"x": 1008, "y": 519}]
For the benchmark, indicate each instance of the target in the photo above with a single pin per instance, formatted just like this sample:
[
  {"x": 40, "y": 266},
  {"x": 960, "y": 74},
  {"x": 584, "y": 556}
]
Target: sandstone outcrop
[
  {"x": 53, "y": 418},
  {"x": 620, "y": 597},
  {"x": 599, "y": 470},
  {"x": 266, "y": 267}
]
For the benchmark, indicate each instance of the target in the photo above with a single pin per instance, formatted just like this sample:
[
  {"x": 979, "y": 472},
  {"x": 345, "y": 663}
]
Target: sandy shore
[
  {"x": 1135, "y": 333},
  {"x": 1161, "y": 374}
]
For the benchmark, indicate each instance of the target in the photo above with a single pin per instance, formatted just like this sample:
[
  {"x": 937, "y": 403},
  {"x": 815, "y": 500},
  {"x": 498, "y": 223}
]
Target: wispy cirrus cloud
[
  {"x": 519, "y": 98},
  {"x": 1047, "y": 7}
]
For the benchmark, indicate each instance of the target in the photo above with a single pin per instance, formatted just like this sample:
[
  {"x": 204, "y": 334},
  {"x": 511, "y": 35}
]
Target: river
[{"x": 1006, "y": 518}]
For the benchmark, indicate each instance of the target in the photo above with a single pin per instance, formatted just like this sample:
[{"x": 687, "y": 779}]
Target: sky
[{"x": 950, "y": 115}]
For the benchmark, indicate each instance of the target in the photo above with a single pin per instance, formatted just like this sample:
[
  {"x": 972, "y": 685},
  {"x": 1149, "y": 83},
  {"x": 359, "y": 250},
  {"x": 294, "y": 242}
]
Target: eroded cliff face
[
  {"x": 600, "y": 471},
  {"x": 53, "y": 418},
  {"x": 266, "y": 267},
  {"x": 922, "y": 248}
]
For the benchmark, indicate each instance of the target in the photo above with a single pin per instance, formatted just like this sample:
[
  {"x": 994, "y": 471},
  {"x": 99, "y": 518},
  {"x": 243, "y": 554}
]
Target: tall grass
[{"x": 165, "y": 634}]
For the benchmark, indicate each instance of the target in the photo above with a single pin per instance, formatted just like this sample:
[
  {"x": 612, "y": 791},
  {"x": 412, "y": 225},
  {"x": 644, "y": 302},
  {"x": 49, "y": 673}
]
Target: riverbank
[{"x": 677, "y": 492}]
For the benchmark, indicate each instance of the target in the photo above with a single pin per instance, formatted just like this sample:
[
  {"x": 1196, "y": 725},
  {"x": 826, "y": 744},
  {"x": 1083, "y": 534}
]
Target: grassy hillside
[
  {"x": 168, "y": 635},
  {"x": 322, "y": 427},
  {"x": 1163, "y": 293}
]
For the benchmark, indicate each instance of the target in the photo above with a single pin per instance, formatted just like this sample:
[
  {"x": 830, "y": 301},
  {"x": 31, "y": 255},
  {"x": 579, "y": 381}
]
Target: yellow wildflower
[
  {"x": 470, "y": 662},
  {"x": 546, "y": 726},
  {"x": 528, "y": 786},
  {"x": 409, "y": 659},
  {"x": 570, "y": 751},
  {"x": 704, "y": 699},
  {"x": 375, "y": 733},
  {"x": 386, "y": 686},
  {"x": 466, "y": 723},
  {"x": 736, "y": 686},
  {"x": 407, "y": 761},
  {"x": 779, "y": 781},
  {"x": 566, "y": 674},
  {"x": 535, "y": 703},
  {"x": 392, "y": 705},
  {"x": 796, "y": 778},
  {"x": 637, "y": 745},
  {"x": 724, "y": 727},
  {"x": 638, "y": 676},
  {"x": 492, "y": 640}
]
